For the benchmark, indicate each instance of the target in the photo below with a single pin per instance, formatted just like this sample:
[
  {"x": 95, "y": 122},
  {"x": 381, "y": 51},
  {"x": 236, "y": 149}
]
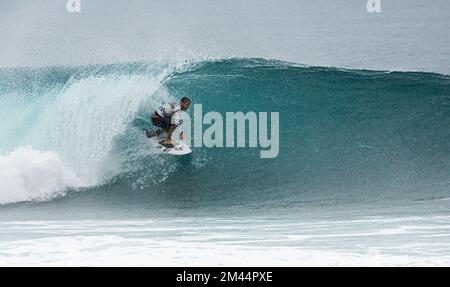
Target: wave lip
[
  {"x": 30, "y": 175},
  {"x": 58, "y": 126}
]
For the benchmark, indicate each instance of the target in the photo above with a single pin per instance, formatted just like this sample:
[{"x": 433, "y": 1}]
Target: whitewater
[{"x": 362, "y": 176}]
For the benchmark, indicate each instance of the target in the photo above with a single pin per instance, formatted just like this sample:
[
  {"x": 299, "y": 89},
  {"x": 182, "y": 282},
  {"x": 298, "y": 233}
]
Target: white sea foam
[
  {"x": 237, "y": 242},
  {"x": 27, "y": 174},
  {"x": 71, "y": 133}
]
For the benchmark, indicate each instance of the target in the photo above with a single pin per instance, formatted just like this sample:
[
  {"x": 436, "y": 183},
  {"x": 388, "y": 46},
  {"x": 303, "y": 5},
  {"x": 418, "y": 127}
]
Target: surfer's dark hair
[{"x": 185, "y": 99}]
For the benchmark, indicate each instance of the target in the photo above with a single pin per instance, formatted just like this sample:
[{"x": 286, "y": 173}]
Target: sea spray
[{"x": 27, "y": 174}]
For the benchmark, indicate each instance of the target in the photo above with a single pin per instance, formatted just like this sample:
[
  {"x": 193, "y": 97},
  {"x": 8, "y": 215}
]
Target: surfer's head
[{"x": 185, "y": 102}]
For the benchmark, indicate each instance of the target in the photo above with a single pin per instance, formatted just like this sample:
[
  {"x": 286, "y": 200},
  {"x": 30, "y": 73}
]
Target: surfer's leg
[
  {"x": 157, "y": 122},
  {"x": 150, "y": 133},
  {"x": 165, "y": 124}
]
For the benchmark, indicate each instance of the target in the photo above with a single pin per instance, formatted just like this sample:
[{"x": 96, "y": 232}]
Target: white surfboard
[{"x": 179, "y": 148}]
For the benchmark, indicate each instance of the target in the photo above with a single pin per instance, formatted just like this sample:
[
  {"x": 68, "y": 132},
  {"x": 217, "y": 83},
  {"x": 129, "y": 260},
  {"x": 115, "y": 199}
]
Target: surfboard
[{"x": 179, "y": 148}]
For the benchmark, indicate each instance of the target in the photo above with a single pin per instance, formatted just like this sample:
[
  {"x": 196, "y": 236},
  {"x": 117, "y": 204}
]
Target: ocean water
[{"x": 362, "y": 177}]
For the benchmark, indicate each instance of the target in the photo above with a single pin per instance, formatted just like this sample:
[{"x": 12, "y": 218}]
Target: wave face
[{"x": 345, "y": 135}]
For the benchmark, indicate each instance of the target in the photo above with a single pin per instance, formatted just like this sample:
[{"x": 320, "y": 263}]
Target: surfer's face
[{"x": 185, "y": 105}]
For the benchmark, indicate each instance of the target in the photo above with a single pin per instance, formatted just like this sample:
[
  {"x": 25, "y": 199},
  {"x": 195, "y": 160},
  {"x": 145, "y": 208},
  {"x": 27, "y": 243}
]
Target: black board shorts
[{"x": 161, "y": 122}]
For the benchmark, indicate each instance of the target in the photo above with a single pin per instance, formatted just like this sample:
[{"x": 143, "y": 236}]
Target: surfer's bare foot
[{"x": 166, "y": 144}]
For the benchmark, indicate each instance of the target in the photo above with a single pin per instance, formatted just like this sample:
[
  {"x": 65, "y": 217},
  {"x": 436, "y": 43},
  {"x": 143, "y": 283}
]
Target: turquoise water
[
  {"x": 362, "y": 176},
  {"x": 370, "y": 146},
  {"x": 363, "y": 135}
]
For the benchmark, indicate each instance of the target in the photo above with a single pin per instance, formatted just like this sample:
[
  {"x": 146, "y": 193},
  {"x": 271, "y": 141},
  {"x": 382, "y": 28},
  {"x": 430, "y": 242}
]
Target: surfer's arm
[
  {"x": 170, "y": 131},
  {"x": 175, "y": 124}
]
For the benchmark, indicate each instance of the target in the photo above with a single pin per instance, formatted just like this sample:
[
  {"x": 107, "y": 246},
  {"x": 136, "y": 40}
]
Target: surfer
[{"x": 167, "y": 117}]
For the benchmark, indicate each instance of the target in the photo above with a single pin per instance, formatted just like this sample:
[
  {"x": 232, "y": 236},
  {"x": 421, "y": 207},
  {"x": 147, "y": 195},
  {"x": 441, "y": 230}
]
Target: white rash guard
[{"x": 167, "y": 110}]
